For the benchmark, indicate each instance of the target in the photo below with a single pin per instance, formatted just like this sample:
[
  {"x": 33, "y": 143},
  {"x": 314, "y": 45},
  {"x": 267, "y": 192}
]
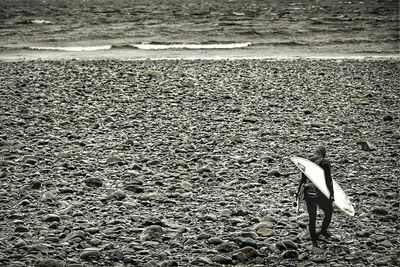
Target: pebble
[
  {"x": 90, "y": 253},
  {"x": 222, "y": 259},
  {"x": 50, "y": 263},
  {"x": 93, "y": 182},
  {"x": 51, "y": 218},
  {"x": 380, "y": 211},
  {"x": 290, "y": 254},
  {"x": 153, "y": 232},
  {"x": 228, "y": 246}
]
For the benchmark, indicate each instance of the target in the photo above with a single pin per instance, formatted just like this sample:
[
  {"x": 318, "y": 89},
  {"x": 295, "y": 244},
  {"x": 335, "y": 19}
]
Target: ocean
[{"x": 90, "y": 25}]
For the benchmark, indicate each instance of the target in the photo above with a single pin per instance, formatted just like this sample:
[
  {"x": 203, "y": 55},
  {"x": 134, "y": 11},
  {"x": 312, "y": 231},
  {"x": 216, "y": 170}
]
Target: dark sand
[{"x": 111, "y": 163}]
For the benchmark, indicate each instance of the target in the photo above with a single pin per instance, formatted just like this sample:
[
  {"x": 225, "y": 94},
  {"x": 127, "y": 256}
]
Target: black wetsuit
[{"x": 314, "y": 198}]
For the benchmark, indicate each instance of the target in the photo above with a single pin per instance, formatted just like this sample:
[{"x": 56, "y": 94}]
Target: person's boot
[{"x": 323, "y": 233}]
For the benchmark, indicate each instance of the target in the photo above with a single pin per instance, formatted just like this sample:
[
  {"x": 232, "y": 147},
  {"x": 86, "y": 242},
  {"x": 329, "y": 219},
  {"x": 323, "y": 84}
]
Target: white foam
[
  {"x": 41, "y": 21},
  {"x": 190, "y": 46},
  {"x": 72, "y": 48}
]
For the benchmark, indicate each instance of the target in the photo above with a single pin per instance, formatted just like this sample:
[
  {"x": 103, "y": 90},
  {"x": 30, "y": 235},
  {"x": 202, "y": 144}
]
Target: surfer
[{"x": 314, "y": 197}]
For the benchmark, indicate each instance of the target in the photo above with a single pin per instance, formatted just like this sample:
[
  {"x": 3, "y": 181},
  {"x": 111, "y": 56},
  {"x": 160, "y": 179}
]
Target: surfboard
[{"x": 316, "y": 175}]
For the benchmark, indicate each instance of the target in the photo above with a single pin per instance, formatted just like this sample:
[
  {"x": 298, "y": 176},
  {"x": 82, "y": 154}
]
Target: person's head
[{"x": 320, "y": 152}]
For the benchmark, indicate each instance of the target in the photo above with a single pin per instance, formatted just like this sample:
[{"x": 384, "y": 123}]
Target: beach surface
[{"x": 186, "y": 162}]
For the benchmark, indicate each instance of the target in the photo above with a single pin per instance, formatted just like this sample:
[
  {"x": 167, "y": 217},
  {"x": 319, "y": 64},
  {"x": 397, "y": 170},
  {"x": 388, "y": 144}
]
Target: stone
[
  {"x": 275, "y": 173},
  {"x": 215, "y": 241},
  {"x": 75, "y": 234},
  {"x": 134, "y": 188},
  {"x": 169, "y": 263},
  {"x": 380, "y": 211},
  {"x": 366, "y": 146},
  {"x": 35, "y": 184},
  {"x": 290, "y": 254},
  {"x": 249, "y": 251},
  {"x": 90, "y": 253},
  {"x": 289, "y": 244},
  {"x": 386, "y": 243},
  {"x": 228, "y": 246},
  {"x": 221, "y": 259},
  {"x": 50, "y": 263},
  {"x": 118, "y": 195},
  {"x": 51, "y": 218},
  {"x": 93, "y": 182},
  {"x": 246, "y": 242},
  {"x": 226, "y": 213},
  {"x": 21, "y": 229},
  {"x": 153, "y": 232},
  {"x": 387, "y": 118},
  {"x": 92, "y": 230},
  {"x": 113, "y": 160},
  {"x": 263, "y": 224},
  {"x": 266, "y": 232}
]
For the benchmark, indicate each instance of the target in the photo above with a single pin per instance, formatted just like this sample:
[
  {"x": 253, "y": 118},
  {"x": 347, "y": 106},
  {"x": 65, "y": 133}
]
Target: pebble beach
[{"x": 186, "y": 162}]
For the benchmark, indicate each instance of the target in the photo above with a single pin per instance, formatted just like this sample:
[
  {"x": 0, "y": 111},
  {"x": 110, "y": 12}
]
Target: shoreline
[{"x": 258, "y": 53}]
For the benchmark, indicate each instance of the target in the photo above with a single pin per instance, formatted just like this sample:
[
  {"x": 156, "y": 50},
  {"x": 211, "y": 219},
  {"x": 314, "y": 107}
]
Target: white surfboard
[{"x": 316, "y": 175}]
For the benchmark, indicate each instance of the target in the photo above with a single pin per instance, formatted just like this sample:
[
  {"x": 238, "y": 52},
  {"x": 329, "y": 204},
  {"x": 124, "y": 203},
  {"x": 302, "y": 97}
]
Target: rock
[
  {"x": 226, "y": 213},
  {"x": 246, "y": 242},
  {"x": 264, "y": 224},
  {"x": 274, "y": 172},
  {"x": 366, "y": 146},
  {"x": 387, "y": 118},
  {"x": 386, "y": 243},
  {"x": 250, "y": 234},
  {"x": 153, "y": 232},
  {"x": 95, "y": 242},
  {"x": 2, "y": 174},
  {"x": 380, "y": 211},
  {"x": 90, "y": 253},
  {"x": 21, "y": 229},
  {"x": 209, "y": 217},
  {"x": 250, "y": 252},
  {"x": 92, "y": 230},
  {"x": 153, "y": 73},
  {"x": 228, "y": 246},
  {"x": 221, "y": 259},
  {"x": 203, "y": 260},
  {"x": 186, "y": 185},
  {"x": 51, "y": 218},
  {"x": 290, "y": 254},
  {"x": 79, "y": 234},
  {"x": 250, "y": 119},
  {"x": 134, "y": 188},
  {"x": 93, "y": 182},
  {"x": 35, "y": 184},
  {"x": 31, "y": 160},
  {"x": 118, "y": 195},
  {"x": 50, "y": 263},
  {"x": 239, "y": 256},
  {"x": 113, "y": 160},
  {"x": 289, "y": 244},
  {"x": 266, "y": 232},
  {"x": 215, "y": 241},
  {"x": 169, "y": 263}
]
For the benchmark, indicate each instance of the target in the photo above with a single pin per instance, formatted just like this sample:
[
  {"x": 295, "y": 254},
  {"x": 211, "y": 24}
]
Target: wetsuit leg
[
  {"x": 312, "y": 215},
  {"x": 327, "y": 208}
]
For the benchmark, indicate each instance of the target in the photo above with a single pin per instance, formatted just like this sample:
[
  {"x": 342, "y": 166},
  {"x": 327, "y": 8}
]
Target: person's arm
[
  {"x": 302, "y": 181},
  {"x": 328, "y": 178}
]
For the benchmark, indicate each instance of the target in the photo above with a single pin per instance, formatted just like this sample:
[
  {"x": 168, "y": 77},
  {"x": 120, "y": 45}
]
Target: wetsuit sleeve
[
  {"x": 326, "y": 166},
  {"x": 302, "y": 181}
]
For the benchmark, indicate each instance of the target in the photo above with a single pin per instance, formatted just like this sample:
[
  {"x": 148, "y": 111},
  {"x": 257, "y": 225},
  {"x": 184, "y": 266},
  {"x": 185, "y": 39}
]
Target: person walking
[{"x": 314, "y": 198}]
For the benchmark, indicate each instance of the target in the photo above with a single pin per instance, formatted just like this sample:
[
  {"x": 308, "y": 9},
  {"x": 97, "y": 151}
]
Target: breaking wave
[{"x": 143, "y": 46}]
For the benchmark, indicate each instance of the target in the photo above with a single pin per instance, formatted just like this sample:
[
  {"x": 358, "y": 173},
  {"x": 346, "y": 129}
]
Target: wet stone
[
  {"x": 51, "y": 218},
  {"x": 93, "y": 182},
  {"x": 50, "y": 263},
  {"x": 290, "y": 254},
  {"x": 222, "y": 259},
  {"x": 90, "y": 253}
]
